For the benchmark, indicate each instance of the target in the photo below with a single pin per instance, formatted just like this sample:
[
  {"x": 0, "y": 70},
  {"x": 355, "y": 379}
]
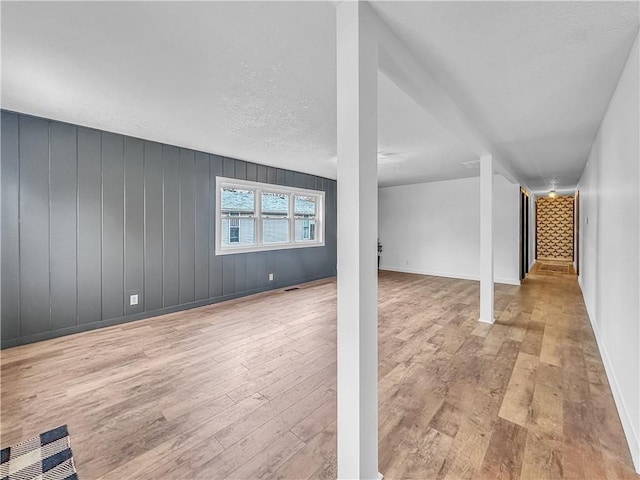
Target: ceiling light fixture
[{"x": 553, "y": 193}]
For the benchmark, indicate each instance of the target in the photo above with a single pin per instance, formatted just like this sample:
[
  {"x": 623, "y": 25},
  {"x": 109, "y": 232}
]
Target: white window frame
[{"x": 258, "y": 188}]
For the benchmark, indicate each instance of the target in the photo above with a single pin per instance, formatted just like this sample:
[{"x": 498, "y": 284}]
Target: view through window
[{"x": 256, "y": 216}]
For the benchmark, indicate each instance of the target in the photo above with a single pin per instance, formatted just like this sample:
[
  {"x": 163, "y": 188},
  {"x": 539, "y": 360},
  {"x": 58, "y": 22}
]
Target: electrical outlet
[
  {"x": 271, "y": 277},
  {"x": 133, "y": 299}
]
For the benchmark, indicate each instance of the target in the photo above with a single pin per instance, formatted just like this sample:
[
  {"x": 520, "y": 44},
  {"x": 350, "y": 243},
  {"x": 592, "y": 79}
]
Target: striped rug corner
[{"x": 47, "y": 457}]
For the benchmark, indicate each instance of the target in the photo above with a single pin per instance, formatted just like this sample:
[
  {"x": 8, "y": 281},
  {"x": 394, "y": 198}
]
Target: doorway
[
  {"x": 555, "y": 228},
  {"x": 577, "y": 222},
  {"x": 524, "y": 233}
]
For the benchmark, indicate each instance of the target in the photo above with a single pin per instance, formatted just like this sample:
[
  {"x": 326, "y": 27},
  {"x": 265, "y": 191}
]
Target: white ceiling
[
  {"x": 535, "y": 77},
  {"x": 247, "y": 80},
  {"x": 414, "y": 147},
  {"x": 256, "y": 80}
]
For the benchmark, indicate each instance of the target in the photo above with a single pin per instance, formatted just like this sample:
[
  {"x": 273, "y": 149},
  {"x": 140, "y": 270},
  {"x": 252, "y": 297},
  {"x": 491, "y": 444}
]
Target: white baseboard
[
  {"x": 633, "y": 439},
  {"x": 461, "y": 276},
  {"x": 532, "y": 264},
  {"x": 380, "y": 476}
]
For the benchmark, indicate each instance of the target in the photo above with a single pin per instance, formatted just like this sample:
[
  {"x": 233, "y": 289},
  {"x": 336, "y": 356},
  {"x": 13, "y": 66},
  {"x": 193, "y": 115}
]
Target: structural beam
[
  {"x": 486, "y": 239},
  {"x": 357, "y": 96},
  {"x": 401, "y": 66}
]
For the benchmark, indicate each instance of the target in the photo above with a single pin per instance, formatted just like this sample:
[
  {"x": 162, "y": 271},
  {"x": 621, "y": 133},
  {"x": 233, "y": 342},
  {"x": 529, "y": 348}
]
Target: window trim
[{"x": 258, "y": 188}]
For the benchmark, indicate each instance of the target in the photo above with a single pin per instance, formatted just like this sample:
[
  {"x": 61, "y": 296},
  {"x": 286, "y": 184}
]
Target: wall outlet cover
[
  {"x": 271, "y": 277},
  {"x": 133, "y": 299}
]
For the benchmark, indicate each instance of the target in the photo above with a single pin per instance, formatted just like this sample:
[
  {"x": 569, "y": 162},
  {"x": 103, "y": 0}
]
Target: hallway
[
  {"x": 524, "y": 398},
  {"x": 222, "y": 392}
]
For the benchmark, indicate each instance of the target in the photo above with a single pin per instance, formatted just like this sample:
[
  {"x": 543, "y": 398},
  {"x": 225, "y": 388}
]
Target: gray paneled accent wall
[{"x": 91, "y": 217}]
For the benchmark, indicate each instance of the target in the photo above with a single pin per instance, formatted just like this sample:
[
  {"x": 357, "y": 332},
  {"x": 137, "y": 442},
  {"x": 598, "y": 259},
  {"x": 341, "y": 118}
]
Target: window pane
[
  {"x": 275, "y": 204},
  {"x": 238, "y": 231},
  {"x": 305, "y": 223},
  {"x": 235, "y": 201},
  {"x": 234, "y": 235},
  {"x": 275, "y": 230},
  {"x": 305, "y": 229},
  {"x": 305, "y": 205}
]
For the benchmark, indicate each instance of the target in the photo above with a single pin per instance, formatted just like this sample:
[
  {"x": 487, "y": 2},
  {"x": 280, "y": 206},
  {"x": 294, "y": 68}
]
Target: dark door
[
  {"x": 577, "y": 224},
  {"x": 524, "y": 233}
]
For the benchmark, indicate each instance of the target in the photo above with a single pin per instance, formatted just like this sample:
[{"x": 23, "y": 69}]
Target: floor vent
[{"x": 292, "y": 288}]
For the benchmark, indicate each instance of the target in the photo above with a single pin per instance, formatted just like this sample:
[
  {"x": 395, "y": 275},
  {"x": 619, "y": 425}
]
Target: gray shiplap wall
[{"x": 89, "y": 217}]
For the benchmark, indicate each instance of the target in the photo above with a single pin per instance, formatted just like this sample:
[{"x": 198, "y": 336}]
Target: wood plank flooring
[{"x": 247, "y": 389}]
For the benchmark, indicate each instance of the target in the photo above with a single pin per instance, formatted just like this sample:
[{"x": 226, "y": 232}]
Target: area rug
[
  {"x": 547, "y": 267},
  {"x": 45, "y": 457}
]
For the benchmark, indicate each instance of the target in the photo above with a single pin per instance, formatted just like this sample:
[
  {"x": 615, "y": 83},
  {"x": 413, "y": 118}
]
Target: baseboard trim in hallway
[{"x": 633, "y": 437}]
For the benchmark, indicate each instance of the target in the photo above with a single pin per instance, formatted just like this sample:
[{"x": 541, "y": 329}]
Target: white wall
[
  {"x": 434, "y": 228},
  {"x": 610, "y": 244}
]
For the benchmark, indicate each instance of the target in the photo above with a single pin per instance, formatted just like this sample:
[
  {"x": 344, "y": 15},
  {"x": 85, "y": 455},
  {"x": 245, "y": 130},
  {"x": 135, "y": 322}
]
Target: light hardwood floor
[{"x": 246, "y": 389}]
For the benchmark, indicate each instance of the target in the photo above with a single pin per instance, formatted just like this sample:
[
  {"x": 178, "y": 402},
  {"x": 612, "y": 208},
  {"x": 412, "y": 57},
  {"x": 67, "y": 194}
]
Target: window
[
  {"x": 234, "y": 230},
  {"x": 305, "y": 213},
  {"x": 253, "y": 217},
  {"x": 275, "y": 217},
  {"x": 237, "y": 212}
]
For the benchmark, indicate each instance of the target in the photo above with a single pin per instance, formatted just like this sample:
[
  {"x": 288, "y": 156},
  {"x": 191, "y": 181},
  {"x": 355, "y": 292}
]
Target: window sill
[{"x": 267, "y": 248}]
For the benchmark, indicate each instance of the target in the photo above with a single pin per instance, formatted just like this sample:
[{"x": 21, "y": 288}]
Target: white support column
[
  {"x": 357, "y": 92},
  {"x": 486, "y": 239}
]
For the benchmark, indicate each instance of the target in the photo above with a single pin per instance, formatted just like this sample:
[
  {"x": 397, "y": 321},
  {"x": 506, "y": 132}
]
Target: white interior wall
[
  {"x": 610, "y": 245},
  {"x": 434, "y": 229}
]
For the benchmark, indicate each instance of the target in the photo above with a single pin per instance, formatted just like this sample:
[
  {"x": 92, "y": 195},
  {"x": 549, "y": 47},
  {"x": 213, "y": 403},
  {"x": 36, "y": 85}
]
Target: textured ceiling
[
  {"x": 535, "y": 77},
  {"x": 256, "y": 80},
  {"x": 250, "y": 80},
  {"x": 414, "y": 147}
]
